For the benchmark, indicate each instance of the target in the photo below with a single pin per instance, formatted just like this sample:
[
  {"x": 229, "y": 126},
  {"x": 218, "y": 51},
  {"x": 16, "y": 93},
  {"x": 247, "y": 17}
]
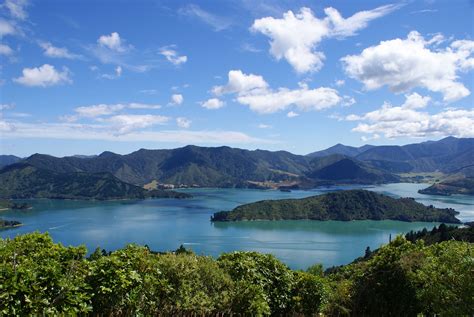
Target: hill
[
  {"x": 8, "y": 159},
  {"x": 342, "y": 205},
  {"x": 343, "y": 169},
  {"x": 460, "y": 186},
  {"x": 21, "y": 180},
  {"x": 217, "y": 167},
  {"x": 339, "y": 148},
  {"x": 447, "y": 155}
]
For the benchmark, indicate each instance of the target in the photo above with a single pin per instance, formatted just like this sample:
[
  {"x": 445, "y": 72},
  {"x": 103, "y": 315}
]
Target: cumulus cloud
[
  {"x": 5, "y": 50},
  {"x": 213, "y": 103},
  {"x": 177, "y": 99},
  {"x": 57, "y": 52},
  {"x": 292, "y": 114},
  {"x": 183, "y": 122},
  {"x": 241, "y": 83},
  {"x": 403, "y": 64},
  {"x": 172, "y": 55},
  {"x": 253, "y": 91},
  {"x": 264, "y": 126},
  {"x": 295, "y": 37},
  {"x": 408, "y": 121},
  {"x": 113, "y": 42},
  {"x": 43, "y": 76},
  {"x": 7, "y": 28}
]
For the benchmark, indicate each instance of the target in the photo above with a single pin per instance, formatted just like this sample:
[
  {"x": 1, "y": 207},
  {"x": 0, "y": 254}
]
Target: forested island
[
  {"x": 9, "y": 224},
  {"x": 457, "y": 186},
  {"x": 343, "y": 205},
  {"x": 402, "y": 278}
]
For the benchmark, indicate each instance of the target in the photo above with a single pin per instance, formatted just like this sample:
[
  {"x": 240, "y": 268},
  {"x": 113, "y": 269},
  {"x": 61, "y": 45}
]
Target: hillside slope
[{"x": 19, "y": 181}]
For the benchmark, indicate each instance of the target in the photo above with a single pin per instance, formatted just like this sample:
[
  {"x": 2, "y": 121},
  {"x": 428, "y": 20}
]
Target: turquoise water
[{"x": 165, "y": 224}]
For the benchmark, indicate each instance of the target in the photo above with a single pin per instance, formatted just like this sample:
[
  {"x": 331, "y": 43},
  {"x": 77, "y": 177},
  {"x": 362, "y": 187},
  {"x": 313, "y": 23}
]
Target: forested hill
[
  {"x": 459, "y": 186},
  {"x": 22, "y": 180},
  {"x": 342, "y": 205}
]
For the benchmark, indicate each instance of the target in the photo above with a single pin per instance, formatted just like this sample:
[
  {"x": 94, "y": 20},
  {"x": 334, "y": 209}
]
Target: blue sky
[{"x": 81, "y": 77}]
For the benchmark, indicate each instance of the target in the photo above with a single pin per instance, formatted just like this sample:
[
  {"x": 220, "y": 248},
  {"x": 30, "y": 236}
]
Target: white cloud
[
  {"x": 17, "y": 8},
  {"x": 264, "y": 126},
  {"x": 172, "y": 56},
  {"x": 76, "y": 131},
  {"x": 135, "y": 105},
  {"x": 101, "y": 110},
  {"x": 57, "y": 52},
  {"x": 5, "y": 50},
  {"x": 6, "y": 106},
  {"x": 218, "y": 23},
  {"x": 238, "y": 82},
  {"x": 403, "y": 64},
  {"x": 292, "y": 114},
  {"x": 43, "y": 76},
  {"x": 212, "y": 104},
  {"x": 407, "y": 121},
  {"x": 118, "y": 72},
  {"x": 295, "y": 37},
  {"x": 303, "y": 98},
  {"x": 7, "y": 28},
  {"x": 113, "y": 42},
  {"x": 254, "y": 91},
  {"x": 177, "y": 99},
  {"x": 340, "y": 82},
  {"x": 415, "y": 101},
  {"x": 183, "y": 122},
  {"x": 126, "y": 123}
]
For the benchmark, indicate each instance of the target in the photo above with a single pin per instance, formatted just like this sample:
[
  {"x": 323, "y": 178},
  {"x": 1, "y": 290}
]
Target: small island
[
  {"x": 458, "y": 186},
  {"x": 343, "y": 205},
  {"x": 4, "y": 224}
]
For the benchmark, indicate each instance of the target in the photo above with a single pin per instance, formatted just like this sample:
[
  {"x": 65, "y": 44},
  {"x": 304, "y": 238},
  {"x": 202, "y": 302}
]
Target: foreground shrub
[{"x": 41, "y": 277}]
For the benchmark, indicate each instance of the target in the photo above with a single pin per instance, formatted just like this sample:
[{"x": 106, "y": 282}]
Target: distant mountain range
[{"x": 232, "y": 167}]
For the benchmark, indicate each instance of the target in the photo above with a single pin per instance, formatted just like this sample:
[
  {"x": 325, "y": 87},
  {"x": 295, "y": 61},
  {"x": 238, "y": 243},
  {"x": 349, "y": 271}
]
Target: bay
[{"x": 165, "y": 224}]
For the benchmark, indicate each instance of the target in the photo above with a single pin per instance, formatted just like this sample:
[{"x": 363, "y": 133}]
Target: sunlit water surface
[{"x": 165, "y": 224}]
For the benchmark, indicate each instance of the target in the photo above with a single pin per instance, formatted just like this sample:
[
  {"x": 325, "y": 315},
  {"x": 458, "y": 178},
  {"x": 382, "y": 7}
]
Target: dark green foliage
[
  {"x": 263, "y": 270},
  {"x": 9, "y": 204},
  {"x": 343, "y": 205},
  {"x": 9, "y": 223},
  {"x": 19, "y": 181},
  {"x": 442, "y": 233},
  {"x": 460, "y": 186},
  {"x": 39, "y": 277},
  {"x": 407, "y": 279}
]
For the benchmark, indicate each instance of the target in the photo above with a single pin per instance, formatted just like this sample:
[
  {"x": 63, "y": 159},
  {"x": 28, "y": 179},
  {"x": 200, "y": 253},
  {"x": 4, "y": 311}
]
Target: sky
[{"x": 83, "y": 77}]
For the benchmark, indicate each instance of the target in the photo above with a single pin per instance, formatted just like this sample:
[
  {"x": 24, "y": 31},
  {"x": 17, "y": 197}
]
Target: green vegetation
[
  {"x": 8, "y": 204},
  {"x": 460, "y": 186},
  {"x": 403, "y": 278},
  {"x": 20, "y": 181},
  {"x": 9, "y": 224},
  {"x": 442, "y": 233},
  {"x": 343, "y": 205}
]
